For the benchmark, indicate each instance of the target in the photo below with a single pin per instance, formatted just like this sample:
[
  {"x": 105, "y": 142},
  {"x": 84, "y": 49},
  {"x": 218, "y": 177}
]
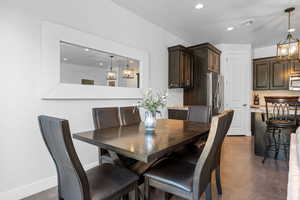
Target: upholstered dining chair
[
  {"x": 130, "y": 115},
  {"x": 199, "y": 113},
  {"x": 107, "y": 117},
  {"x": 185, "y": 179},
  {"x": 191, "y": 155},
  {"x": 104, "y": 182}
]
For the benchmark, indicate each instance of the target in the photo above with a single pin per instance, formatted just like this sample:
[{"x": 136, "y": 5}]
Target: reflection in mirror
[{"x": 86, "y": 66}]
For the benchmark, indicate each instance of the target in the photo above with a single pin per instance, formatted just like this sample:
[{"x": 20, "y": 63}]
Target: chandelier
[
  {"x": 127, "y": 72},
  {"x": 288, "y": 49},
  {"x": 111, "y": 75}
]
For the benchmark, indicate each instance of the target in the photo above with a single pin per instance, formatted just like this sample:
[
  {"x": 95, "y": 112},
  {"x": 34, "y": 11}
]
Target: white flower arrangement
[{"x": 153, "y": 101}]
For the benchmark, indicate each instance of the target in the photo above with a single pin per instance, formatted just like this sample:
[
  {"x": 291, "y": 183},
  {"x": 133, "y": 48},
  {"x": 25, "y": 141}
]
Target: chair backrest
[
  {"x": 130, "y": 115},
  {"x": 281, "y": 108},
  {"x": 72, "y": 179},
  {"x": 202, "y": 175},
  {"x": 199, "y": 113},
  {"x": 106, "y": 117}
]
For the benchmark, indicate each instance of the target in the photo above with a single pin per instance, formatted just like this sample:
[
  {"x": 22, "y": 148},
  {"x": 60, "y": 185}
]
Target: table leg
[{"x": 115, "y": 158}]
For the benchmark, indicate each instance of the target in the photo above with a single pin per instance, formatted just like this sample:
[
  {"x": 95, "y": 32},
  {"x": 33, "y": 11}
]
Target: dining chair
[
  {"x": 130, "y": 115},
  {"x": 199, "y": 113},
  {"x": 107, "y": 117},
  {"x": 191, "y": 155},
  {"x": 185, "y": 179},
  {"x": 104, "y": 182}
]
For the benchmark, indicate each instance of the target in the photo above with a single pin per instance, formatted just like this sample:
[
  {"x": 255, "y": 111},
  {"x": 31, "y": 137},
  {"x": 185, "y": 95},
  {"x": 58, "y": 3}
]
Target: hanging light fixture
[
  {"x": 288, "y": 49},
  {"x": 127, "y": 72},
  {"x": 111, "y": 75}
]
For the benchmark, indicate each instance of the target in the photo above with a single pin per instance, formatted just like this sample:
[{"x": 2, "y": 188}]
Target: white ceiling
[{"x": 209, "y": 24}]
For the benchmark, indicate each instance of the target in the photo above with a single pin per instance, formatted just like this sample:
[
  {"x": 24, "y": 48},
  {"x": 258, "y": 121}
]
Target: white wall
[
  {"x": 26, "y": 166},
  {"x": 267, "y": 51},
  {"x": 71, "y": 73}
]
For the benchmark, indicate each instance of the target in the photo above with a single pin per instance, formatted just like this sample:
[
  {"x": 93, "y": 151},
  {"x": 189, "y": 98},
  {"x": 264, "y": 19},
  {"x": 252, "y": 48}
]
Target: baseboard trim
[{"x": 36, "y": 187}]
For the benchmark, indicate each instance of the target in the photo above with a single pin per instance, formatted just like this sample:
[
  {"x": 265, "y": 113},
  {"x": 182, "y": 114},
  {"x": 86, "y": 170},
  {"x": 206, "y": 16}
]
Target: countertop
[
  {"x": 262, "y": 108},
  {"x": 178, "y": 107}
]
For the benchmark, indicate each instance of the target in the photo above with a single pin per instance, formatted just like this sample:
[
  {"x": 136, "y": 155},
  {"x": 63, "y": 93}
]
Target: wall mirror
[
  {"x": 80, "y": 65},
  {"x": 87, "y": 66}
]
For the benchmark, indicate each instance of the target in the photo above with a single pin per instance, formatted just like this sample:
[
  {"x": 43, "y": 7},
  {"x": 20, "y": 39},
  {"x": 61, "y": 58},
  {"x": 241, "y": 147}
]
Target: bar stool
[{"x": 281, "y": 120}]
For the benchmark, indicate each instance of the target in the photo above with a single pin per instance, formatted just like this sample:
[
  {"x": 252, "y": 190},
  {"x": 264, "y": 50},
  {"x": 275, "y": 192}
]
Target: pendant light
[
  {"x": 111, "y": 75},
  {"x": 127, "y": 72},
  {"x": 288, "y": 49}
]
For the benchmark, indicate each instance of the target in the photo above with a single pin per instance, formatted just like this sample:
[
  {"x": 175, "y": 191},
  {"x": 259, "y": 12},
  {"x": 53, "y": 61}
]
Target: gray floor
[{"x": 244, "y": 177}]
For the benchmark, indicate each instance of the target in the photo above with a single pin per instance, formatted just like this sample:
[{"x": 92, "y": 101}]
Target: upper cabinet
[
  {"x": 185, "y": 64},
  {"x": 295, "y": 68},
  {"x": 268, "y": 74},
  {"x": 180, "y": 67},
  {"x": 206, "y": 57},
  {"x": 261, "y": 72}
]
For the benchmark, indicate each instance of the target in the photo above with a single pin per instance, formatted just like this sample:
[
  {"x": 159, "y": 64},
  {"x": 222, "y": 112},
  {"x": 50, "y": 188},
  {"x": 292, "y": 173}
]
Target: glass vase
[{"x": 150, "y": 121}]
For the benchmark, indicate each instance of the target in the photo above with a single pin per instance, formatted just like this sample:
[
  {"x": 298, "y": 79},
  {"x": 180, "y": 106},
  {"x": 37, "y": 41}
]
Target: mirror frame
[{"x": 52, "y": 88}]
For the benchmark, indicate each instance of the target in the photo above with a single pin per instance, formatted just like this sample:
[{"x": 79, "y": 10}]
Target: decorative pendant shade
[
  {"x": 111, "y": 75},
  {"x": 127, "y": 72},
  {"x": 288, "y": 49}
]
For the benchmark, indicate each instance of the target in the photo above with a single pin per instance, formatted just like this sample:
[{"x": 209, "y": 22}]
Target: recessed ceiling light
[
  {"x": 86, "y": 49},
  {"x": 101, "y": 63},
  {"x": 199, "y": 6},
  {"x": 230, "y": 28},
  {"x": 65, "y": 59},
  {"x": 292, "y": 30}
]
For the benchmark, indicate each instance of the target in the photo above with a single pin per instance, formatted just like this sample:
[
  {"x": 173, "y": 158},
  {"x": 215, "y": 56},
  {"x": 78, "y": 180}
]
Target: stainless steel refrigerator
[{"x": 208, "y": 90}]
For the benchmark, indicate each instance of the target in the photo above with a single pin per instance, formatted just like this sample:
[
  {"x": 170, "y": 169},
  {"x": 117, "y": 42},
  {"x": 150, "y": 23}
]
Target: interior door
[{"x": 237, "y": 77}]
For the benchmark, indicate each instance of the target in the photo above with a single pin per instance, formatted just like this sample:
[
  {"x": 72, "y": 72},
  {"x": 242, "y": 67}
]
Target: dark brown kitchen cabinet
[
  {"x": 206, "y": 57},
  {"x": 179, "y": 114},
  {"x": 278, "y": 76},
  {"x": 180, "y": 67},
  {"x": 261, "y": 79},
  {"x": 269, "y": 74},
  {"x": 295, "y": 67}
]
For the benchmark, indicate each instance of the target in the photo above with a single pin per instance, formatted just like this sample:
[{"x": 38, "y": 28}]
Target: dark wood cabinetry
[
  {"x": 269, "y": 74},
  {"x": 278, "y": 76},
  {"x": 261, "y": 72},
  {"x": 295, "y": 68},
  {"x": 185, "y": 64},
  {"x": 179, "y": 114},
  {"x": 180, "y": 67},
  {"x": 206, "y": 57}
]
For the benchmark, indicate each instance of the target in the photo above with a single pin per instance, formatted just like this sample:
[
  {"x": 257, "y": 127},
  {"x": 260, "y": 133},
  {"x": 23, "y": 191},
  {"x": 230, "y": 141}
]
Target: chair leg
[
  {"x": 277, "y": 144},
  {"x": 218, "y": 180},
  {"x": 100, "y": 156},
  {"x": 208, "y": 192},
  {"x": 146, "y": 189},
  {"x": 166, "y": 196},
  {"x": 267, "y": 145},
  {"x": 136, "y": 192},
  {"x": 125, "y": 197}
]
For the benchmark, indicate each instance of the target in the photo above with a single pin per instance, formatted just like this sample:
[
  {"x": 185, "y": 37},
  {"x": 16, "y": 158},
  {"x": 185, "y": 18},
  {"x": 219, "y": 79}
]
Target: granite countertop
[{"x": 178, "y": 107}]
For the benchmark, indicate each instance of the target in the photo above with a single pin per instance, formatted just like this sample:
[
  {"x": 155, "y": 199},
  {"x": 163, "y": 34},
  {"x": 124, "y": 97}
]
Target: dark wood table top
[{"x": 134, "y": 142}]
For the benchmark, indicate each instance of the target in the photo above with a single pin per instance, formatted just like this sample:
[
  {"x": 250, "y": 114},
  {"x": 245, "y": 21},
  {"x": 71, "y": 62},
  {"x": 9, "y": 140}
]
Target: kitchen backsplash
[{"x": 262, "y": 94}]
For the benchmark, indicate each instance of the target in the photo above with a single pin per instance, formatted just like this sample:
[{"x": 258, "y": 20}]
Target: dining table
[{"x": 146, "y": 147}]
